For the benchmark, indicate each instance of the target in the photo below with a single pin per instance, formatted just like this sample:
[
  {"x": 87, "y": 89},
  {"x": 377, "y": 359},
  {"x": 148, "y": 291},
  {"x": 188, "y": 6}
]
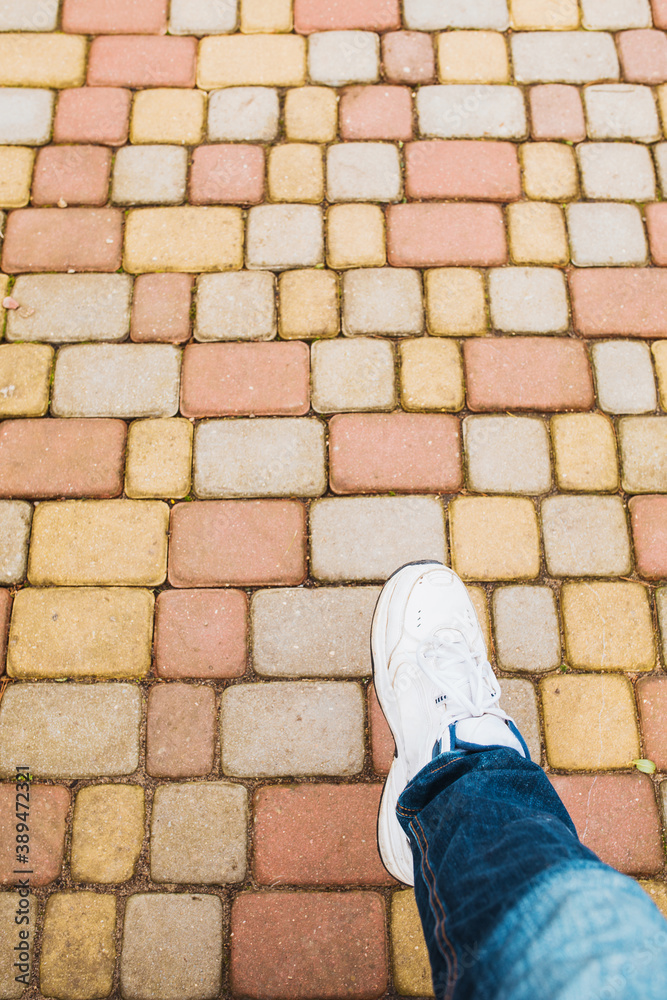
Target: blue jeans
[{"x": 513, "y": 906}]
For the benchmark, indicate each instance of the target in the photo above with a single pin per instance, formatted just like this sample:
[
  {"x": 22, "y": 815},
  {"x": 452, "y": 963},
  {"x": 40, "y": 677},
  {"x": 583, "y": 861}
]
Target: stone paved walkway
[{"x": 295, "y": 294}]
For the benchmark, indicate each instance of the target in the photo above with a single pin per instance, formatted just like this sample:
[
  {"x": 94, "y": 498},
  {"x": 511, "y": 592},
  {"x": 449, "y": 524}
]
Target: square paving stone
[
  {"x": 77, "y": 175},
  {"x": 320, "y": 632},
  {"x": 643, "y": 442},
  {"x": 180, "y": 730},
  {"x": 336, "y": 58},
  {"x": 283, "y": 728},
  {"x": 309, "y": 304},
  {"x": 472, "y": 57},
  {"x": 93, "y": 114},
  {"x": 198, "y": 833},
  {"x": 237, "y": 306},
  {"x": 528, "y": 300},
  {"x": 243, "y": 113},
  {"x": 624, "y": 376},
  {"x": 107, "y": 833},
  {"x": 161, "y": 308},
  {"x": 284, "y": 236},
  {"x": 159, "y": 458},
  {"x": 15, "y": 518},
  {"x": 380, "y": 112},
  {"x": 564, "y": 57},
  {"x": 252, "y": 60},
  {"x": 432, "y": 15},
  {"x": 382, "y": 300},
  {"x": 28, "y": 15},
  {"x": 606, "y": 233},
  {"x": 652, "y": 701},
  {"x": 78, "y": 953},
  {"x": 519, "y": 700},
  {"x": 507, "y": 454},
  {"x": 363, "y": 171},
  {"x": 537, "y": 235},
  {"x": 608, "y": 626},
  {"x": 355, "y": 236},
  {"x": 12, "y": 935},
  {"x": 584, "y": 452},
  {"x": 409, "y": 955},
  {"x": 172, "y": 947},
  {"x": 200, "y": 633},
  {"x": 585, "y": 536},
  {"x": 351, "y": 375},
  {"x": 455, "y": 302},
  {"x": 616, "y": 171},
  {"x": 168, "y": 115},
  {"x": 311, "y": 114},
  {"x": 197, "y": 17},
  {"x": 549, "y": 171},
  {"x": 570, "y": 704},
  {"x": 494, "y": 538},
  {"x": 556, "y": 109},
  {"x": 367, "y": 538},
  {"x": 431, "y": 375},
  {"x": 621, "y": 111},
  {"x": 65, "y": 308},
  {"x": 496, "y": 112},
  {"x": 25, "y": 375},
  {"x": 183, "y": 238},
  {"x": 296, "y": 173},
  {"x": 526, "y": 628},
  {"x": 257, "y": 16},
  {"x": 25, "y": 116},
  {"x": 407, "y": 57},
  {"x": 649, "y": 532},
  {"x": 48, "y": 810},
  {"x": 149, "y": 175}
]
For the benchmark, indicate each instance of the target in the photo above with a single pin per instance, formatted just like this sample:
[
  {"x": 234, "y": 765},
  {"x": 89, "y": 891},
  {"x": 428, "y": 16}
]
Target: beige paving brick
[
  {"x": 311, "y": 114},
  {"x": 104, "y": 542},
  {"x": 659, "y": 351},
  {"x": 296, "y": 172},
  {"x": 624, "y": 376},
  {"x": 519, "y": 700},
  {"x": 409, "y": 956},
  {"x": 12, "y": 935},
  {"x": 356, "y": 236},
  {"x": 42, "y": 60},
  {"x": 537, "y": 233},
  {"x": 472, "y": 57},
  {"x": 363, "y": 171},
  {"x": 67, "y": 308},
  {"x": 80, "y": 632},
  {"x": 243, "y": 113},
  {"x": 584, "y": 452},
  {"x": 544, "y": 15},
  {"x": 28, "y": 15},
  {"x": 507, "y": 454},
  {"x": 382, "y": 300},
  {"x": 171, "y": 115},
  {"x": 16, "y": 163},
  {"x": 614, "y": 15},
  {"x": 159, "y": 458},
  {"x": 657, "y": 891},
  {"x": 15, "y": 519},
  {"x": 494, "y": 538},
  {"x": 185, "y": 238},
  {"x": 25, "y": 376},
  {"x": 621, "y": 111},
  {"x": 236, "y": 306},
  {"x": 284, "y": 236},
  {"x": 266, "y": 15},
  {"x": 496, "y": 111},
  {"x": 78, "y": 947},
  {"x": 585, "y": 536},
  {"x": 606, "y": 233},
  {"x": 107, "y": 833},
  {"x": 252, "y": 60},
  {"x": 570, "y": 703},
  {"x": 308, "y": 304},
  {"x": 618, "y": 171},
  {"x": 431, "y": 375},
  {"x": 353, "y": 375},
  {"x": 455, "y": 302},
  {"x": 198, "y": 833},
  {"x": 526, "y": 628},
  {"x": 149, "y": 175},
  {"x": 336, "y": 58},
  {"x": 608, "y": 626},
  {"x": 200, "y": 17},
  {"x": 549, "y": 171},
  {"x": 528, "y": 300},
  {"x": 643, "y": 444}
]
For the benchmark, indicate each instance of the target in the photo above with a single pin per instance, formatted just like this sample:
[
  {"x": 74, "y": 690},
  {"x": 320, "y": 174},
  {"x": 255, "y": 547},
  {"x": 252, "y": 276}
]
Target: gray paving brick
[
  {"x": 65, "y": 308},
  {"x": 15, "y": 518},
  {"x": 527, "y": 634},
  {"x": 564, "y": 57}
]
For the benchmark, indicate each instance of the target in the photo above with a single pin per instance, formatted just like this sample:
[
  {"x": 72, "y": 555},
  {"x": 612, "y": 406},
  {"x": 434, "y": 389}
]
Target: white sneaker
[{"x": 434, "y": 683}]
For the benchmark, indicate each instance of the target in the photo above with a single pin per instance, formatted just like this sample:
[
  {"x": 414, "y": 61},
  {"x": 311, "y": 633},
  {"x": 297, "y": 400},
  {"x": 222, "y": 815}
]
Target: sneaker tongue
[{"x": 487, "y": 730}]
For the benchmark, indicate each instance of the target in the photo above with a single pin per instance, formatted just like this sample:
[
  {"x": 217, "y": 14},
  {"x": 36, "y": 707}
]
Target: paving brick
[
  {"x": 367, "y": 538},
  {"x": 233, "y": 379},
  {"x": 290, "y": 944},
  {"x": 227, "y": 173},
  {"x": 49, "y": 806},
  {"x": 584, "y": 452},
  {"x": 549, "y": 15},
  {"x": 309, "y": 304},
  {"x": 15, "y": 518},
  {"x": 103, "y": 542},
  {"x": 62, "y": 239},
  {"x": 200, "y": 633},
  {"x": 526, "y": 629},
  {"x": 528, "y": 300},
  {"x": 462, "y": 169},
  {"x": 409, "y": 956},
  {"x": 606, "y": 234},
  {"x": 10, "y": 936},
  {"x": 617, "y": 817},
  {"x": 616, "y": 171},
  {"x": 95, "y": 17},
  {"x": 652, "y": 701},
  {"x": 159, "y": 458},
  {"x": 65, "y": 308},
  {"x": 624, "y": 376},
  {"x": 238, "y": 113},
  {"x": 236, "y": 306},
  {"x": 168, "y": 115},
  {"x": 472, "y": 57},
  {"x": 16, "y": 163},
  {"x": 537, "y": 234},
  {"x": 659, "y": 9},
  {"x": 549, "y": 171},
  {"x": 28, "y": 15},
  {"x": 621, "y": 111},
  {"x": 321, "y": 632},
  {"x": 161, "y": 308},
  {"x": 657, "y": 891},
  {"x": 25, "y": 116},
  {"x": 432, "y": 235},
  {"x": 519, "y": 700},
  {"x": 382, "y": 112},
  {"x": 376, "y": 15},
  {"x": 284, "y": 236},
  {"x": 183, "y": 239},
  {"x": 141, "y": 61},
  {"x": 355, "y": 236},
  {"x": 363, "y": 171},
  {"x": 107, "y": 833},
  {"x": 472, "y": 111},
  {"x": 407, "y": 57},
  {"x": 92, "y": 114},
  {"x": 78, "y": 951},
  {"x": 93, "y": 730},
  {"x": 431, "y": 15},
  {"x": 296, "y": 173},
  {"x": 25, "y": 371},
  {"x": 197, "y": 17},
  {"x": 337, "y": 58},
  {"x": 455, "y": 302},
  {"x": 77, "y": 175},
  {"x": 649, "y": 533},
  {"x": 172, "y": 946},
  {"x": 494, "y": 538},
  {"x": 382, "y": 742},
  {"x": 252, "y": 60},
  {"x": 311, "y": 114},
  {"x": 620, "y": 301},
  {"x": 564, "y": 57},
  {"x": 258, "y": 16},
  {"x": 353, "y": 375},
  {"x": 661, "y": 608},
  {"x": 42, "y": 60},
  {"x": 585, "y": 536},
  {"x": 608, "y": 626},
  {"x": 237, "y": 543},
  {"x": 116, "y": 380},
  {"x": 612, "y": 15},
  {"x": 5, "y": 611},
  {"x": 556, "y": 112},
  {"x": 180, "y": 737},
  {"x": 263, "y": 457},
  {"x": 644, "y": 454},
  {"x": 317, "y": 835},
  {"x": 506, "y": 454},
  {"x": 660, "y": 360},
  {"x": 643, "y": 56},
  {"x": 431, "y": 375},
  {"x": 656, "y": 224},
  {"x": 149, "y": 175},
  {"x": 382, "y": 301}
]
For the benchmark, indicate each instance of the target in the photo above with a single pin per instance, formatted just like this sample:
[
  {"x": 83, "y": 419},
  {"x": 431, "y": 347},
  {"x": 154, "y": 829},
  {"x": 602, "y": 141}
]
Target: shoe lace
[{"x": 475, "y": 691}]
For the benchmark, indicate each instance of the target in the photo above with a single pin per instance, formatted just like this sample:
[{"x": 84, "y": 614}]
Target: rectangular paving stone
[
  {"x": 49, "y": 807},
  {"x": 564, "y": 57},
  {"x": 116, "y": 380},
  {"x": 652, "y": 701},
  {"x": 585, "y": 536},
  {"x": 198, "y": 17},
  {"x": 643, "y": 55},
  {"x": 643, "y": 454},
  {"x": 183, "y": 238},
  {"x": 237, "y": 543},
  {"x": 608, "y": 626},
  {"x": 373, "y": 15},
  {"x": 410, "y": 963},
  {"x": 180, "y": 731},
  {"x": 78, "y": 944},
  {"x": 200, "y": 633},
  {"x": 95, "y": 17},
  {"x": 621, "y": 111},
  {"x": 25, "y": 379},
  {"x": 625, "y": 379},
  {"x": 507, "y": 454},
  {"x": 149, "y": 175},
  {"x": 159, "y": 458},
  {"x": 62, "y": 239},
  {"x": 28, "y": 15},
  {"x": 494, "y": 538},
  {"x": 161, "y": 308},
  {"x": 550, "y": 15},
  {"x": 363, "y": 171},
  {"x": 628, "y": 302},
  {"x": 93, "y": 114},
  {"x": 104, "y": 542},
  {"x": 292, "y": 728},
  {"x": 472, "y": 57},
  {"x": 247, "y": 113},
  {"x": 16, "y": 165},
  {"x": 70, "y": 730},
  {"x": 141, "y": 61},
  {"x": 526, "y": 628},
  {"x": 227, "y": 172},
  {"x": 25, "y": 115},
  {"x": 420, "y": 235},
  {"x": 471, "y": 111},
  {"x": 584, "y": 452},
  {"x": 237, "y": 306},
  {"x": 615, "y": 14},
  {"x": 648, "y": 516},
  {"x": 42, "y": 60},
  {"x": 107, "y": 833},
  {"x": 338, "y": 58},
  {"x": 381, "y": 112},
  {"x": 309, "y": 304},
  {"x": 15, "y": 520},
  {"x": 312, "y": 632},
  {"x": 80, "y": 632},
  {"x": 488, "y": 171},
  {"x": 66, "y": 308},
  {"x": 251, "y": 60},
  {"x": 620, "y": 171},
  {"x": 431, "y": 15},
  {"x": 9, "y": 936},
  {"x": 257, "y": 16}
]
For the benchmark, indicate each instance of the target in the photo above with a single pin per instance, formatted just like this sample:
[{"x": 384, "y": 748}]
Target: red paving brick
[
  {"x": 617, "y": 817},
  {"x": 79, "y": 175},
  {"x": 318, "y": 835},
  {"x": 556, "y": 112},
  {"x": 656, "y": 223},
  {"x": 487, "y": 171},
  {"x": 220, "y": 380},
  {"x": 142, "y": 61},
  {"x": 407, "y": 57},
  {"x": 236, "y": 543},
  {"x": 298, "y": 945},
  {"x": 402, "y": 452},
  {"x": 201, "y": 633},
  {"x": 619, "y": 301},
  {"x": 431, "y": 235},
  {"x": 5, "y": 612},
  {"x": 336, "y": 15},
  {"x": 382, "y": 742},
  {"x": 648, "y": 516},
  {"x": 230, "y": 174},
  {"x": 180, "y": 730},
  {"x": 376, "y": 113},
  {"x": 652, "y": 701},
  {"x": 62, "y": 458},
  {"x": 93, "y": 114},
  {"x": 659, "y": 13},
  {"x": 161, "y": 308},
  {"x": 643, "y": 55},
  {"x": 527, "y": 373},
  {"x": 49, "y": 805},
  {"x": 60, "y": 239},
  {"x": 122, "y": 17}
]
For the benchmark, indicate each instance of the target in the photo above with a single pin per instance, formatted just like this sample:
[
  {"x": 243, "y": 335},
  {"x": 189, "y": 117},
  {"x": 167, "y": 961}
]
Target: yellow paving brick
[
  {"x": 42, "y": 60},
  {"x": 608, "y": 626},
  {"x": 103, "y": 542},
  {"x": 537, "y": 233},
  {"x": 168, "y": 115},
  {"x": 494, "y": 538},
  {"x": 16, "y": 164},
  {"x": 251, "y": 60},
  {"x": 585, "y": 452},
  {"x": 662, "y": 105},
  {"x": 266, "y": 15},
  {"x": 107, "y": 833},
  {"x": 296, "y": 173},
  {"x": 472, "y": 57},
  {"x": 431, "y": 375},
  {"x": 308, "y": 304},
  {"x": 409, "y": 956},
  {"x": 183, "y": 239},
  {"x": 25, "y": 374},
  {"x": 643, "y": 445},
  {"x": 159, "y": 458},
  {"x": 311, "y": 114},
  {"x": 478, "y": 597},
  {"x": 355, "y": 236},
  {"x": 589, "y": 721},
  {"x": 659, "y": 350},
  {"x": 549, "y": 171},
  {"x": 544, "y": 15},
  {"x": 657, "y": 891},
  {"x": 455, "y": 304},
  {"x": 78, "y": 947}
]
